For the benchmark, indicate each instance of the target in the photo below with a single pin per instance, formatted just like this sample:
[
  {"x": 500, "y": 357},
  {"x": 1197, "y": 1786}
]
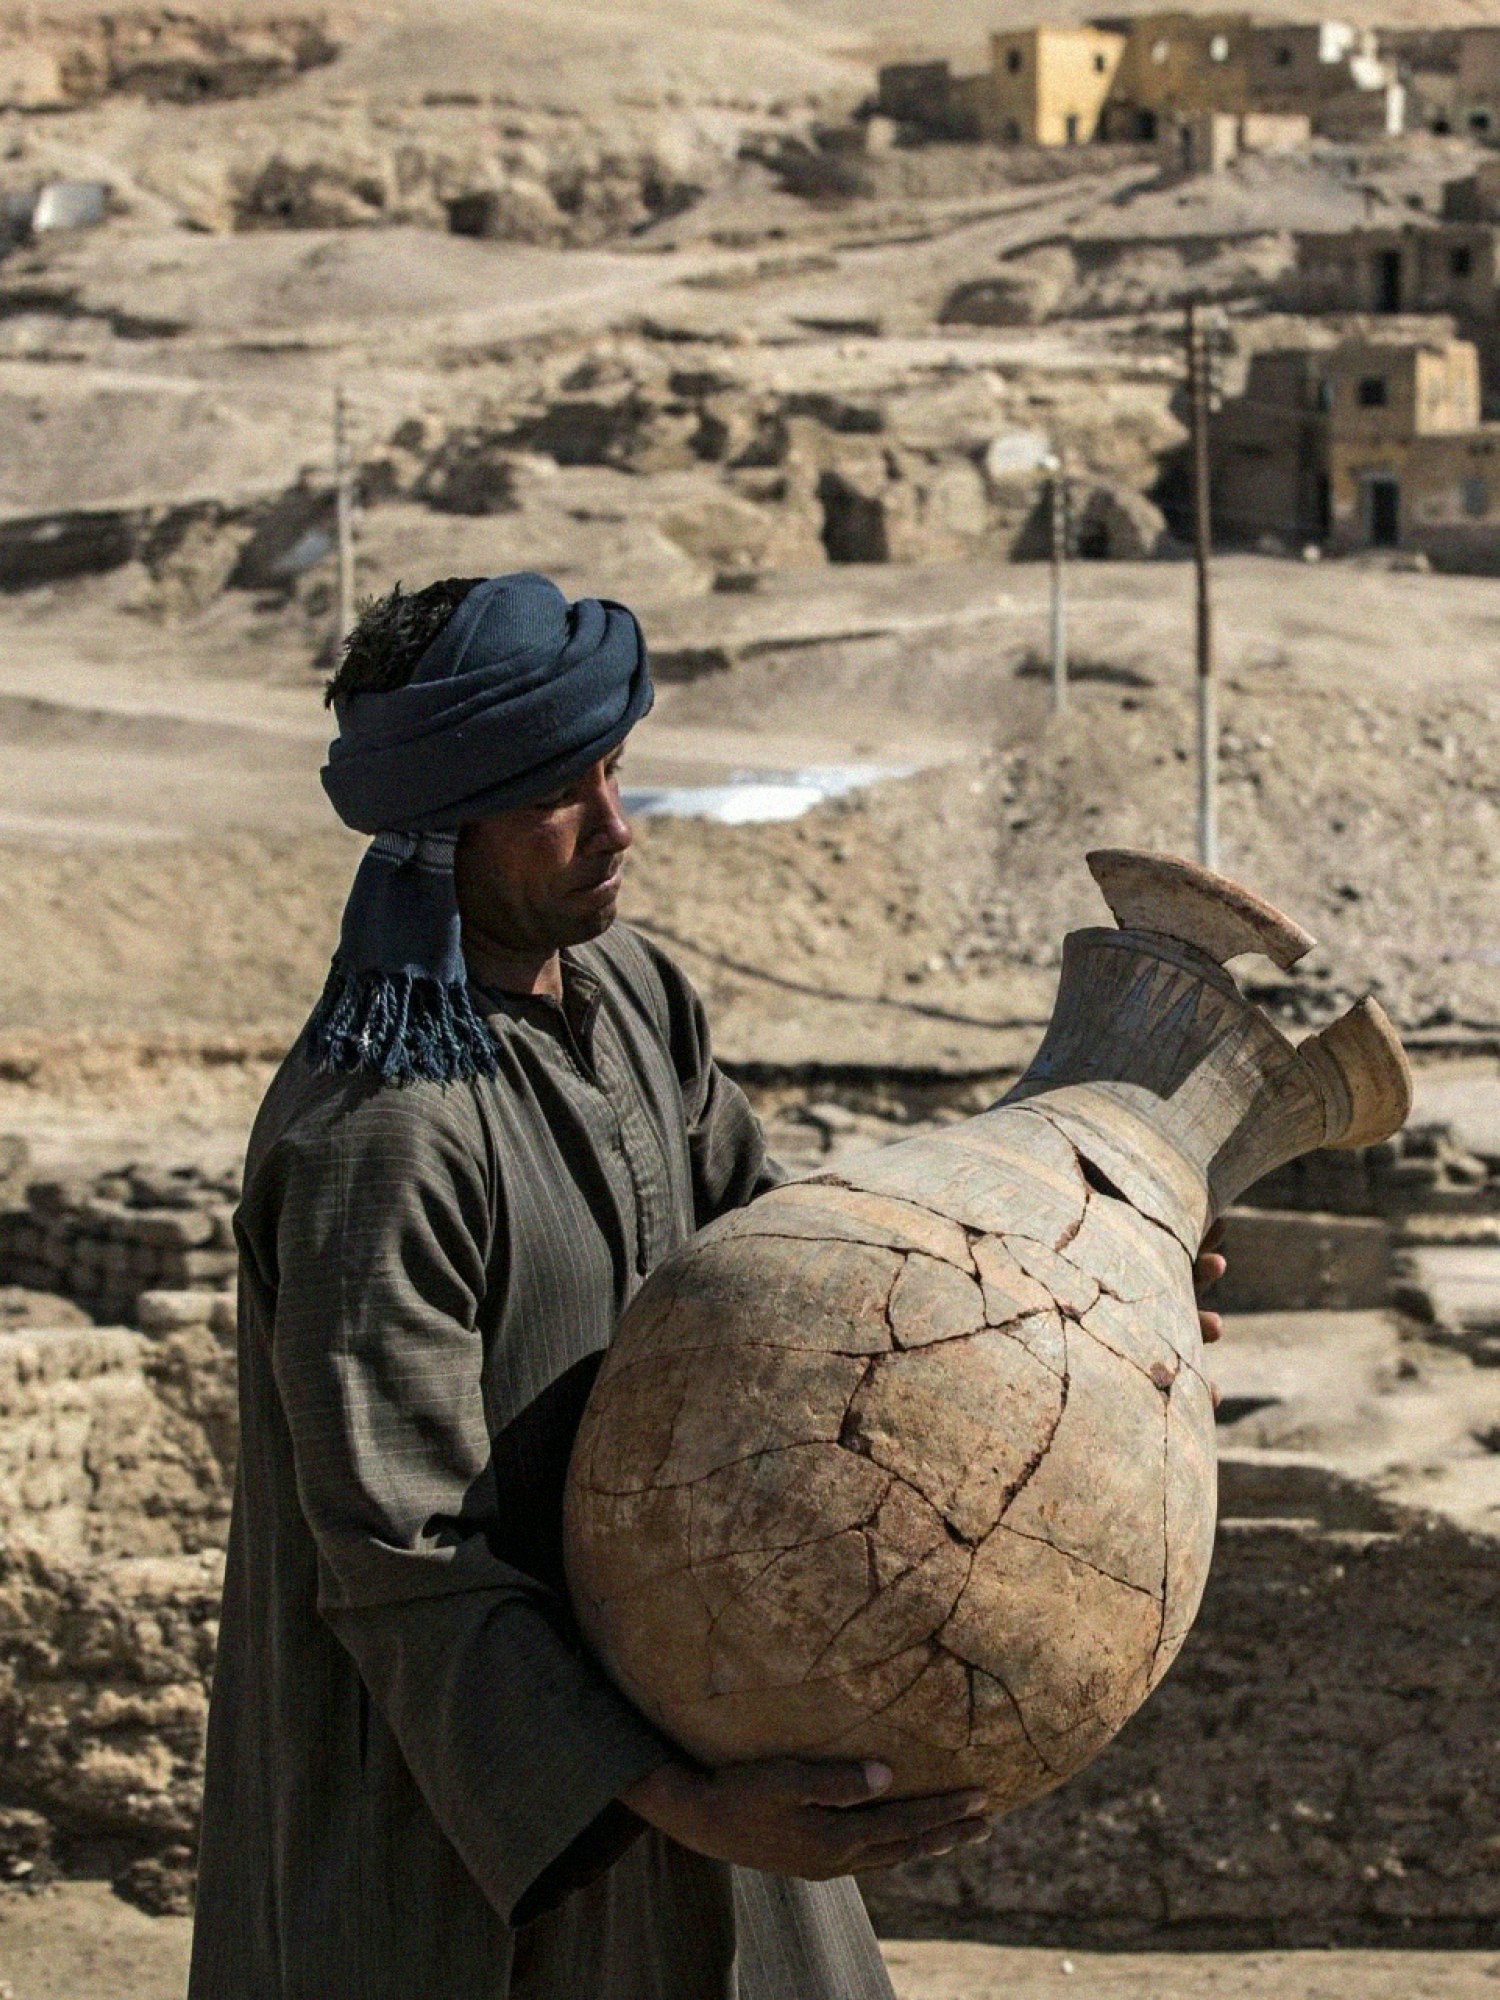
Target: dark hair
[{"x": 391, "y": 635}]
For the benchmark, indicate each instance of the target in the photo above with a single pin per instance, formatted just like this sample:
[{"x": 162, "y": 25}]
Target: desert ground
[
  {"x": 661, "y": 357},
  {"x": 83, "y": 1940}
]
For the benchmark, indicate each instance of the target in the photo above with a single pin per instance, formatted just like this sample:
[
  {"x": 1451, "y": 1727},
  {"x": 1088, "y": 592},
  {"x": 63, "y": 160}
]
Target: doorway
[
  {"x": 1388, "y": 286},
  {"x": 1384, "y": 506}
]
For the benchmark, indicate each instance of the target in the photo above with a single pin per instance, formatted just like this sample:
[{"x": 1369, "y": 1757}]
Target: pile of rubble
[
  {"x": 59, "y": 62},
  {"x": 837, "y": 452}
]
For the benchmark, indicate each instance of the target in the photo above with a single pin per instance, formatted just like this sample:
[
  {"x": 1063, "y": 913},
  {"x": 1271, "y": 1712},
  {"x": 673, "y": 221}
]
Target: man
[{"x": 502, "y": 1114}]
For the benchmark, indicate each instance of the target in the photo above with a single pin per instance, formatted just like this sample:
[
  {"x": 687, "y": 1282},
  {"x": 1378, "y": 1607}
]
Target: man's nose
[{"x": 609, "y": 830}]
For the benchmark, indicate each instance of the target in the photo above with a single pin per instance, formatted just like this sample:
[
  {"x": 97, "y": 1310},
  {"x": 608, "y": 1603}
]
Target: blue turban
[{"x": 518, "y": 695}]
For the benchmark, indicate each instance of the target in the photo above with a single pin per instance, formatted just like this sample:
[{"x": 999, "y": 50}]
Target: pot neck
[{"x": 1172, "y": 1086}]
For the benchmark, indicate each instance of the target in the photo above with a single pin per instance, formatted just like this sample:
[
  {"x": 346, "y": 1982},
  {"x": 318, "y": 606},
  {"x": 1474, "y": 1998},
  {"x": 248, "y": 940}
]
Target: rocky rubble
[
  {"x": 116, "y": 1457},
  {"x": 834, "y": 453},
  {"x": 55, "y": 63},
  {"x": 1316, "y": 1768}
]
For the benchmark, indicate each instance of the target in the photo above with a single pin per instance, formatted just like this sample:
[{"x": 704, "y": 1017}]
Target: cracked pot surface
[{"x": 918, "y": 1462}]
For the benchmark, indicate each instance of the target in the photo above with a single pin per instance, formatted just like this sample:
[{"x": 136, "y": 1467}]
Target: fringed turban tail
[{"x": 517, "y": 696}]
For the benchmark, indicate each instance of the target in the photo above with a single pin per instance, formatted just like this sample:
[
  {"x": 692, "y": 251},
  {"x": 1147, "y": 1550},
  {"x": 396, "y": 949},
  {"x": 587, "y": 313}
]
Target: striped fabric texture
[{"x": 413, "y": 1765}]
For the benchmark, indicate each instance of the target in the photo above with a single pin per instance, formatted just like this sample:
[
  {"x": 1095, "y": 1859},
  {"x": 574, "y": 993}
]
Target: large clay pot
[{"x": 916, "y": 1460}]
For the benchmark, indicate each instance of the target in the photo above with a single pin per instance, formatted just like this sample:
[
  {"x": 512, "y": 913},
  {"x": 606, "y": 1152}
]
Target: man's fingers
[
  {"x": 964, "y": 1833},
  {"x": 1208, "y": 1270},
  {"x": 913, "y": 1819},
  {"x": 838, "y": 1785},
  {"x": 1212, "y": 1328}
]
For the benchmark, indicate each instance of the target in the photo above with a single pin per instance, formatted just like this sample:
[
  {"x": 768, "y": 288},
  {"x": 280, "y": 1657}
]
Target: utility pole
[
  {"x": 1208, "y": 693},
  {"x": 343, "y": 472},
  {"x": 1058, "y": 484}
]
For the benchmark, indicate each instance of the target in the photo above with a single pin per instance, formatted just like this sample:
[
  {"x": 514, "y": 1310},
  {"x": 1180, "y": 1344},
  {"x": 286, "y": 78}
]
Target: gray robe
[{"x": 413, "y": 1766}]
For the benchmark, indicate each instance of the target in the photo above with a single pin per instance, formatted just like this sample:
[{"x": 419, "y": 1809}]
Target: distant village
[
  {"x": 1202, "y": 86},
  {"x": 1372, "y": 430}
]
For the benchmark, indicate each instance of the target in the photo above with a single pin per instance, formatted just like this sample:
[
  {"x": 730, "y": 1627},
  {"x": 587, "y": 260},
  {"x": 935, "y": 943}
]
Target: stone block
[
  {"x": 1297, "y": 1261},
  {"x": 1455, "y": 1288},
  {"x": 172, "y": 1228},
  {"x": 210, "y": 1266}
]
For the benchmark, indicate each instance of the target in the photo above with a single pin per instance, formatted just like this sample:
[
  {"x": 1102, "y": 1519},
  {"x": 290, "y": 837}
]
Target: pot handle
[
  {"x": 1363, "y": 1077},
  {"x": 1178, "y": 899}
]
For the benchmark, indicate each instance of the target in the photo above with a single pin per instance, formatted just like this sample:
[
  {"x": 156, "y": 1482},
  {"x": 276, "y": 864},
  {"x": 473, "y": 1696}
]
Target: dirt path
[
  {"x": 80, "y": 1942},
  {"x": 984, "y": 1972}
]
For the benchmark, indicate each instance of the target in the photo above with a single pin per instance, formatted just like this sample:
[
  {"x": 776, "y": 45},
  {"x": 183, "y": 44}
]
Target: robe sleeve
[
  {"x": 384, "y": 1230},
  {"x": 725, "y": 1142}
]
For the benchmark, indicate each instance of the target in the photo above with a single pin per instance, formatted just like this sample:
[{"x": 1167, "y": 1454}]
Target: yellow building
[{"x": 1049, "y": 86}]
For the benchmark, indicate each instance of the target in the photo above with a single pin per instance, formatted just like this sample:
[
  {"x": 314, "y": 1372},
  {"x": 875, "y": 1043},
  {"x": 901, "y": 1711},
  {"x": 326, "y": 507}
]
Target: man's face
[{"x": 545, "y": 875}]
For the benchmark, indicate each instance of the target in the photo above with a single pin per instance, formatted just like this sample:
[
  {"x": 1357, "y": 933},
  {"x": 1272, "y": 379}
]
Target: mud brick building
[
  {"x": 1137, "y": 79},
  {"x": 1367, "y": 444},
  {"x": 1476, "y": 104},
  {"x": 1451, "y": 76},
  {"x": 1050, "y": 86},
  {"x": 1450, "y": 268},
  {"x": 1207, "y": 142},
  {"x": 1177, "y": 66},
  {"x": 927, "y": 97},
  {"x": 1475, "y": 197}
]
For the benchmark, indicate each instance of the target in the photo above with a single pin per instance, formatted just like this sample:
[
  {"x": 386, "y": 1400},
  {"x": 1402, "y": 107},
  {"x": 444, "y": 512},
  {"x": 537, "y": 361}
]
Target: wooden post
[
  {"x": 1059, "y": 512},
  {"x": 343, "y": 468},
  {"x": 1208, "y": 702}
]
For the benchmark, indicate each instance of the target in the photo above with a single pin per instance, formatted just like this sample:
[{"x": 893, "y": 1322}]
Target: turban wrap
[{"x": 517, "y": 696}]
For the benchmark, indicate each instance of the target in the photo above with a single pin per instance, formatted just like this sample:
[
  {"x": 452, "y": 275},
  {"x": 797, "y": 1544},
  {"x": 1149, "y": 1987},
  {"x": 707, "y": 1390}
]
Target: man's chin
[{"x": 585, "y": 925}]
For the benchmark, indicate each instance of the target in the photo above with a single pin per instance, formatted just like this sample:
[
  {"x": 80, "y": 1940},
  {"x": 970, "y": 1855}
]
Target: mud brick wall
[
  {"x": 1423, "y": 1170},
  {"x": 116, "y": 1462},
  {"x": 103, "y": 1242},
  {"x": 1321, "y": 1765}
]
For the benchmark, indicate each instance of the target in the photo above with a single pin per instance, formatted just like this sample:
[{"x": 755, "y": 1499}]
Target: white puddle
[{"x": 751, "y": 796}]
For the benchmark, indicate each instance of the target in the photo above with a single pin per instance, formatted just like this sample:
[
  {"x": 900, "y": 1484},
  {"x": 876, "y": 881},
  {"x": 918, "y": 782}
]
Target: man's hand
[
  {"x": 1207, "y": 1272},
  {"x": 811, "y": 1820}
]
